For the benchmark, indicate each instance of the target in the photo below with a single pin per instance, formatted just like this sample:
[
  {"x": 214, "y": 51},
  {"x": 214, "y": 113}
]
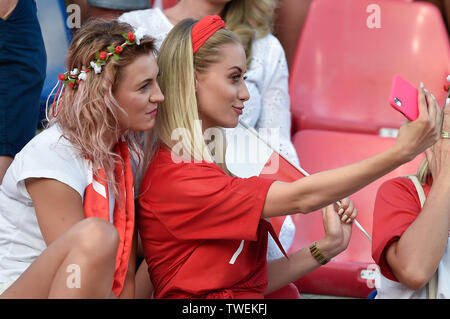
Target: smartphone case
[{"x": 403, "y": 98}]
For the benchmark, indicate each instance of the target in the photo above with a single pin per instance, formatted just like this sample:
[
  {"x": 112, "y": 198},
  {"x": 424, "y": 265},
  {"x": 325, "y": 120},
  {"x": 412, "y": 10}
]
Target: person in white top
[
  {"x": 266, "y": 77},
  {"x": 66, "y": 202},
  {"x": 411, "y": 229}
]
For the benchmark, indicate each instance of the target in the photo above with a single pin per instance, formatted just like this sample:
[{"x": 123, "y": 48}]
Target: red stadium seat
[
  {"x": 344, "y": 64},
  {"x": 322, "y": 150}
]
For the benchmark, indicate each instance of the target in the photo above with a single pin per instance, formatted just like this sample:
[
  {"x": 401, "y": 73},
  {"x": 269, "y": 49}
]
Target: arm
[
  {"x": 290, "y": 17},
  {"x": 144, "y": 286},
  {"x": 143, "y": 283},
  {"x": 6, "y": 8},
  {"x": 321, "y": 189},
  {"x": 58, "y": 206},
  {"x": 415, "y": 257},
  {"x": 128, "y": 290},
  {"x": 283, "y": 271}
]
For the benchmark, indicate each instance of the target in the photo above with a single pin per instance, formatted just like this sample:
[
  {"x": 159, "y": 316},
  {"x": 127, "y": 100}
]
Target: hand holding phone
[{"x": 403, "y": 98}]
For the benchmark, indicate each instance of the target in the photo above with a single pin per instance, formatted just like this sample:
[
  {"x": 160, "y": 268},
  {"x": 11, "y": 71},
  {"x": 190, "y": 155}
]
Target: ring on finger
[{"x": 445, "y": 134}]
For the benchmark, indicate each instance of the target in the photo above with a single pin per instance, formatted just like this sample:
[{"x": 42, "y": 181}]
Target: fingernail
[
  {"x": 421, "y": 85},
  {"x": 340, "y": 211},
  {"x": 349, "y": 221},
  {"x": 344, "y": 218},
  {"x": 447, "y": 101}
]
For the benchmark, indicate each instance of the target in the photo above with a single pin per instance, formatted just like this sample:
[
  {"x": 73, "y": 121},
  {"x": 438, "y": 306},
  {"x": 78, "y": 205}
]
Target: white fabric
[
  {"x": 157, "y": 4},
  {"x": 47, "y": 155},
  {"x": 389, "y": 289},
  {"x": 4, "y": 286},
  {"x": 269, "y": 103}
]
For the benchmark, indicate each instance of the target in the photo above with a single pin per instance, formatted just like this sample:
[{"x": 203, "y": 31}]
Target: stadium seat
[
  {"x": 320, "y": 150},
  {"x": 57, "y": 36},
  {"x": 344, "y": 63}
]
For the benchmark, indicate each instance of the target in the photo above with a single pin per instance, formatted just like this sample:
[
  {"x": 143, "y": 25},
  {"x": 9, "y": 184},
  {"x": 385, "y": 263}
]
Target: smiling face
[
  {"x": 138, "y": 93},
  {"x": 221, "y": 90}
]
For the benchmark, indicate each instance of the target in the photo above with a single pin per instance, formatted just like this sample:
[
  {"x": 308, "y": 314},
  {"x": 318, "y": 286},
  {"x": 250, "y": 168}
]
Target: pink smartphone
[{"x": 403, "y": 98}]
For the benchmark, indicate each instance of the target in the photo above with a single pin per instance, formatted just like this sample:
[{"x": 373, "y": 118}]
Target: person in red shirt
[
  {"x": 204, "y": 232},
  {"x": 410, "y": 242}
]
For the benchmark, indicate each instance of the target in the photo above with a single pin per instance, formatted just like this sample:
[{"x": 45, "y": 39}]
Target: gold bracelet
[{"x": 317, "y": 254}]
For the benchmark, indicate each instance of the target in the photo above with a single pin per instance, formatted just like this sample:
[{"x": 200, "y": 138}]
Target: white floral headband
[{"x": 73, "y": 78}]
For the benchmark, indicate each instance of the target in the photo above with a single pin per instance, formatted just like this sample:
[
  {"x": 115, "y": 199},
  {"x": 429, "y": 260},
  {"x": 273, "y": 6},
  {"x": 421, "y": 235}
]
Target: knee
[{"x": 97, "y": 238}]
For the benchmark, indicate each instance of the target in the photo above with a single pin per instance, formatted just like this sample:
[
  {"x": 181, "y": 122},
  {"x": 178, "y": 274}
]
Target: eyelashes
[
  {"x": 144, "y": 87},
  {"x": 237, "y": 77}
]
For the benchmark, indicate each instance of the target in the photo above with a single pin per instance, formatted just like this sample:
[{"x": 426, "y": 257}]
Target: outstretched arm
[{"x": 319, "y": 190}]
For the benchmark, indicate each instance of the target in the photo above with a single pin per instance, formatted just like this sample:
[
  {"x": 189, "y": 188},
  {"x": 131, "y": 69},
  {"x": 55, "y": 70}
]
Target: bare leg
[
  {"x": 144, "y": 286},
  {"x": 89, "y": 246}
]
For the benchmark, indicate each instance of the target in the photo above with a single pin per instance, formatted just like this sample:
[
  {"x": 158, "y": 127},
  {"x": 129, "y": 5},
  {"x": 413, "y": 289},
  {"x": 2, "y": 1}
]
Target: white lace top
[{"x": 267, "y": 83}]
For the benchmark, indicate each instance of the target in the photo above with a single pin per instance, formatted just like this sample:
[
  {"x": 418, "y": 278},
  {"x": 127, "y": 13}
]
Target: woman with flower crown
[{"x": 67, "y": 227}]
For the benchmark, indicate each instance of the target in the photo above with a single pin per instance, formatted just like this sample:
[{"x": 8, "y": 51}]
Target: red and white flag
[{"x": 250, "y": 153}]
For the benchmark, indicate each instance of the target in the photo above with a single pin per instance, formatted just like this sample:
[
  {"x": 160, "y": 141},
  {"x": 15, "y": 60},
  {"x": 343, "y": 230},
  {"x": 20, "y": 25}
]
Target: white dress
[{"x": 267, "y": 83}]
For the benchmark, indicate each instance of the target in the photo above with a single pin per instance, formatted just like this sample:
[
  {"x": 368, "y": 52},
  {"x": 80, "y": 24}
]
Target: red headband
[{"x": 205, "y": 28}]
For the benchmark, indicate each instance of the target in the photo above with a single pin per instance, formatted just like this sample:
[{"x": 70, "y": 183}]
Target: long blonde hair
[
  {"x": 250, "y": 20},
  {"x": 423, "y": 172},
  {"x": 88, "y": 115},
  {"x": 179, "y": 111}
]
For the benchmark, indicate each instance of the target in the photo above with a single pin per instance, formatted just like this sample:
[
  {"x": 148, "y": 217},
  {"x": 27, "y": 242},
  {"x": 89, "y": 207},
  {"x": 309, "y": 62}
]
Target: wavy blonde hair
[
  {"x": 88, "y": 115},
  {"x": 250, "y": 20},
  {"x": 177, "y": 67}
]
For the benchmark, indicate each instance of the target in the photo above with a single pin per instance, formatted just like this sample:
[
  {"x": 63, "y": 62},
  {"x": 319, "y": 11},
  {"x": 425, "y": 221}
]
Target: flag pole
[{"x": 254, "y": 132}]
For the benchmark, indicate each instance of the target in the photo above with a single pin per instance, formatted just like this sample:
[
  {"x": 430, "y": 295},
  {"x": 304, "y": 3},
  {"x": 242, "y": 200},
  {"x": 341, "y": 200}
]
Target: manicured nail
[
  {"x": 344, "y": 218},
  {"x": 421, "y": 85},
  {"x": 447, "y": 101},
  {"x": 340, "y": 211},
  {"x": 349, "y": 221}
]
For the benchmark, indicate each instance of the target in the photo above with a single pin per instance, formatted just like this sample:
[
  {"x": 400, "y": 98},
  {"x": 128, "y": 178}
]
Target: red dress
[{"x": 202, "y": 231}]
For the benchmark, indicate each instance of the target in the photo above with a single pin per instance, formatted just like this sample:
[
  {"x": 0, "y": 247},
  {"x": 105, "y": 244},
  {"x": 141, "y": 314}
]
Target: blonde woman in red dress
[{"x": 204, "y": 232}]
